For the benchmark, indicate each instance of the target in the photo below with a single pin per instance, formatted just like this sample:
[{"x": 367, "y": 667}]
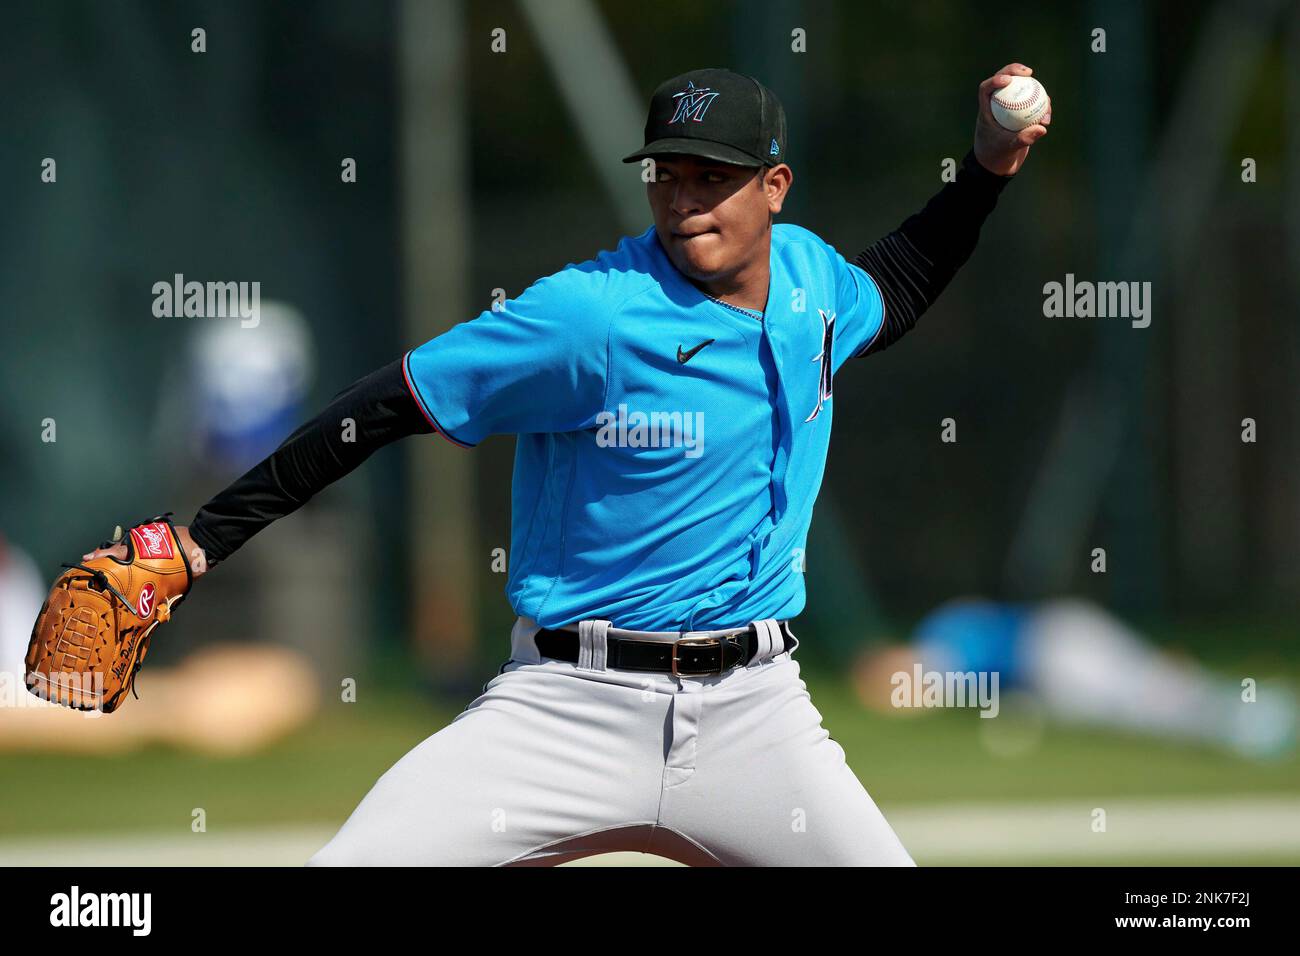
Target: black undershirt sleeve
[
  {"x": 381, "y": 409},
  {"x": 916, "y": 261}
]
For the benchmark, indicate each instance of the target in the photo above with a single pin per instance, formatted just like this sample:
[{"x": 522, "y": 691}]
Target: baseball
[{"x": 1020, "y": 103}]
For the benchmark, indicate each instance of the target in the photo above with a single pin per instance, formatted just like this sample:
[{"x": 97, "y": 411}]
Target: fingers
[
  {"x": 1030, "y": 135},
  {"x": 992, "y": 85},
  {"x": 116, "y": 551},
  {"x": 113, "y": 550},
  {"x": 1004, "y": 76},
  {"x": 995, "y": 82},
  {"x": 986, "y": 91}
]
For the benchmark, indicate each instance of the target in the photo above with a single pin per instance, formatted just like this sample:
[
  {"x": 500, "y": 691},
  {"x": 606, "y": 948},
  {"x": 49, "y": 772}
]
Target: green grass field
[{"x": 932, "y": 774}]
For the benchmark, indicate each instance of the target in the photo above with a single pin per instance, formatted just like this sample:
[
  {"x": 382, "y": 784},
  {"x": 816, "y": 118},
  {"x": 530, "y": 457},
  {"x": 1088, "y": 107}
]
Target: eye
[{"x": 714, "y": 178}]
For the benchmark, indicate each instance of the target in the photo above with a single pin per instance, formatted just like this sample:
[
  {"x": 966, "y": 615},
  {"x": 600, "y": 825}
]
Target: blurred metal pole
[
  {"x": 434, "y": 204},
  {"x": 843, "y": 607},
  {"x": 1129, "y": 525},
  {"x": 1283, "y": 544},
  {"x": 601, "y": 98},
  {"x": 1207, "y": 460},
  {"x": 760, "y": 41}
]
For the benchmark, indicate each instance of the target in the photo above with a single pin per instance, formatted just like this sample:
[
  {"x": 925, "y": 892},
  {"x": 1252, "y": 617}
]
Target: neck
[{"x": 746, "y": 288}]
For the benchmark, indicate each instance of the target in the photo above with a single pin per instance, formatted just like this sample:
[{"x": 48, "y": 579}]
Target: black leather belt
[{"x": 687, "y": 657}]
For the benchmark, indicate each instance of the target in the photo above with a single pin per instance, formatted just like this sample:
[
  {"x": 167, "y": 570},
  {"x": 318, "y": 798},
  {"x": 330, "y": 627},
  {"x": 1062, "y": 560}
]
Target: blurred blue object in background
[{"x": 249, "y": 386}]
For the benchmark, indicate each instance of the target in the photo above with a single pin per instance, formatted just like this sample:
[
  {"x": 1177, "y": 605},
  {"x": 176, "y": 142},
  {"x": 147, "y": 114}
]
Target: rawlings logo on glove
[{"x": 92, "y": 634}]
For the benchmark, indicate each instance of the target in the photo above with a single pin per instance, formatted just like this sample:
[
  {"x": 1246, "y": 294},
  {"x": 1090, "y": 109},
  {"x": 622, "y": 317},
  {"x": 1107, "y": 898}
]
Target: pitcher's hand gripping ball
[
  {"x": 1019, "y": 104},
  {"x": 93, "y": 631}
]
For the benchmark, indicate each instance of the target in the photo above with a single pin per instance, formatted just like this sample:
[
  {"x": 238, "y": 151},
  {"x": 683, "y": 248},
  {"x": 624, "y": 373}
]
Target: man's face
[{"x": 712, "y": 218}]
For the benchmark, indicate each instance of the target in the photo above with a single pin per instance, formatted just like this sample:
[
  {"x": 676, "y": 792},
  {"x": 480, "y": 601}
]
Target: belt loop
[
  {"x": 770, "y": 640},
  {"x": 592, "y": 646},
  {"x": 523, "y": 641}
]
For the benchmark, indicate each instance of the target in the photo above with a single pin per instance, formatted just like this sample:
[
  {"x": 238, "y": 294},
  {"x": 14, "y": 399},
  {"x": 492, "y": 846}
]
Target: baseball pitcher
[{"x": 672, "y": 402}]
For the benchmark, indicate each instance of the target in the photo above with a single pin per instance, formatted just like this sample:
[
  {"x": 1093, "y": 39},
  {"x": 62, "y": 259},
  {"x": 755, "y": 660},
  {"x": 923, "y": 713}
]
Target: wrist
[
  {"x": 973, "y": 167},
  {"x": 196, "y": 556}
]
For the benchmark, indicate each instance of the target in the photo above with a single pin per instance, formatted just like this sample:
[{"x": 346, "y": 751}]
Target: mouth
[{"x": 685, "y": 235}]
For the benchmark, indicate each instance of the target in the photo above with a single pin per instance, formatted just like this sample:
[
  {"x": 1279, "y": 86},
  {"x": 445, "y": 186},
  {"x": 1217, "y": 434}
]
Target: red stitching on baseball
[{"x": 1020, "y": 105}]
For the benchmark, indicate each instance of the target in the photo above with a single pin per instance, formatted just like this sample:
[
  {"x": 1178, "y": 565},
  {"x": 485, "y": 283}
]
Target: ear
[{"x": 776, "y": 183}]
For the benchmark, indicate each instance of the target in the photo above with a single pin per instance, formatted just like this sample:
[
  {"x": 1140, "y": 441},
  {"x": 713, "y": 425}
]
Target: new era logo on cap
[{"x": 716, "y": 114}]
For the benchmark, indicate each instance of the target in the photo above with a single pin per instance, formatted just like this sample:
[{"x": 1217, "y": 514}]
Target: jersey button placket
[{"x": 780, "y": 409}]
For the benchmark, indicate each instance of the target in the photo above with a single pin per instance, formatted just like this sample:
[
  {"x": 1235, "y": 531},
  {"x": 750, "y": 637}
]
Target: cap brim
[{"x": 683, "y": 146}]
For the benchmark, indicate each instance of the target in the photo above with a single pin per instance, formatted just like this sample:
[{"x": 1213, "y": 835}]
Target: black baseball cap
[{"x": 716, "y": 114}]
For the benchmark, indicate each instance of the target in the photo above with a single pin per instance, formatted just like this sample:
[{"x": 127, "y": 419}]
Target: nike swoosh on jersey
[{"x": 684, "y": 357}]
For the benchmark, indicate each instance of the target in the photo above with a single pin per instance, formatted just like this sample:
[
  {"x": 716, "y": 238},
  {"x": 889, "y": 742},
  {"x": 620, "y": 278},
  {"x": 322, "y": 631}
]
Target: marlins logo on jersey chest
[{"x": 826, "y": 363}]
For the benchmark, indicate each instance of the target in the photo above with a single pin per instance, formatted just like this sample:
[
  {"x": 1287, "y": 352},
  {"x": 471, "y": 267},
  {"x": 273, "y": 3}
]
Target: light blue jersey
[{"x": 670, "y": 448}]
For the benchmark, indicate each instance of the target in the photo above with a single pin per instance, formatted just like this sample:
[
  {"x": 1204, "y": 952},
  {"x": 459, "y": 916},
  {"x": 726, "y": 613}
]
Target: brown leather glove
[{"x": 93, "y": 631}]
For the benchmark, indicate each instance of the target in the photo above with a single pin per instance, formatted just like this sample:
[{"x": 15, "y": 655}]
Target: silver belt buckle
[{"x": 697, "y": 642}]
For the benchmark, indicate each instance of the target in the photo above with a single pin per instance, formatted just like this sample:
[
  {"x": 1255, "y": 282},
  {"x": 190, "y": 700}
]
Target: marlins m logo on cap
[
  {"x": 692, "y": 104},
  {"x": 748, "y": 129}
]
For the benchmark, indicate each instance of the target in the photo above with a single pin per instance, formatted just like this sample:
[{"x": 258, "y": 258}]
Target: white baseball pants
[{"x": 557, "y": 761}]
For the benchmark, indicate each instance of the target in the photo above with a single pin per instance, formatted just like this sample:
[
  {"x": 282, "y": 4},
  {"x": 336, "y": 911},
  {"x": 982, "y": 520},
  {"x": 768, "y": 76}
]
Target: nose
[{"x": 684, "y": 201}]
